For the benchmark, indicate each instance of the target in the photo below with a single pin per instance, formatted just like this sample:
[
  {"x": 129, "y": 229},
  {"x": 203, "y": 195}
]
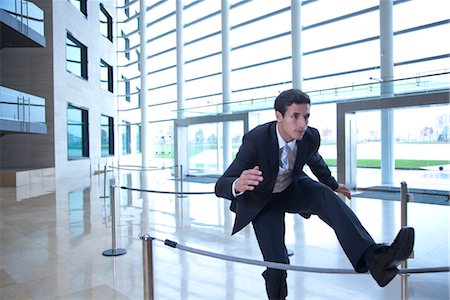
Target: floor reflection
[{"x": 51, "y": 245}]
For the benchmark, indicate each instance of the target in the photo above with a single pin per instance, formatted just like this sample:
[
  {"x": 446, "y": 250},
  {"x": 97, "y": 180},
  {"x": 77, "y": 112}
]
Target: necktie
[{"x": 284, "y": 161}]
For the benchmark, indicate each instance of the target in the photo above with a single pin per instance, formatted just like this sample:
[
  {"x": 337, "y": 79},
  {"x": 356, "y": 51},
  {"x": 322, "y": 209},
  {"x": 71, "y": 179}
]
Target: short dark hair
[{"x": 288, "y": 97}]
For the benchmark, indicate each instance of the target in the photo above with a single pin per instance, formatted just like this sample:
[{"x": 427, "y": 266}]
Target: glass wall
[
  {"x": 340, "y": 44},
  {"x": 205, "y": 148},
  {"x": 421, "y": 148}
]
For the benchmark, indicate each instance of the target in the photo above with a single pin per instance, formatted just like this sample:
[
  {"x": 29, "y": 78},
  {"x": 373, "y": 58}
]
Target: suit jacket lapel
[
  {"x": 273, "y": 149},
  {"x": 302, "y": 152}
]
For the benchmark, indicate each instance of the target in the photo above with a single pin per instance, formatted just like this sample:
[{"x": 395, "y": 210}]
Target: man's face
[{"x": 295, "y": 121}]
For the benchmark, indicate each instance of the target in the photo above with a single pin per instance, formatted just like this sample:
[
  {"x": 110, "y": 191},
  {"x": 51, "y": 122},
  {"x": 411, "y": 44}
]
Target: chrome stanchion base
[{"x": 114, "y": 252}]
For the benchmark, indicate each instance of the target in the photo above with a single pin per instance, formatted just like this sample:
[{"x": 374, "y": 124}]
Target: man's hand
[
  {"x": 343, "y": 189},
  {"x": 248, "y": 180}
]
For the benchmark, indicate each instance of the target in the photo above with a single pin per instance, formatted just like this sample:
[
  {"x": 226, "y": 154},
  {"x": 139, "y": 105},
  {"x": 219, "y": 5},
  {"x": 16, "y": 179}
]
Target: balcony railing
[
  {"x": 421, "y": 83},
  {"x": 26, "y": 13},
  {"x": 26, "y": 112}
]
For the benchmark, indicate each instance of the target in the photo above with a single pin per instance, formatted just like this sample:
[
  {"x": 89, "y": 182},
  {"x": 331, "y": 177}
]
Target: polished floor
[{"x": 52, "y": 239}]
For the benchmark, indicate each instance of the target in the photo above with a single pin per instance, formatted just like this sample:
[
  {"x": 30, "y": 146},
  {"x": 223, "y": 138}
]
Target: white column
[
  {"x": 350, "y": 150},
  {"x": 180, "y": 59},
  {"x": 387, "y": 90},
  {"x": 226, "y": 86},
  {"x": 143, "y": 92},
  {"x": 180, "y": 132},
  {"x": 296, "y": 33}
]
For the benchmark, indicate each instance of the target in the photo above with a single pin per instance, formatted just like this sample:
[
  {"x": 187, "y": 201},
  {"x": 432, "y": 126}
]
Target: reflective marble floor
[{"x": 51, "y": 245}]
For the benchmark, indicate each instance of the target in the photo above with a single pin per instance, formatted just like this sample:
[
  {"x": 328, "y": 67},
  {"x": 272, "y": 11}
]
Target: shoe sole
[
  {"x": 405, "y": 239},
  {"x": 391, "y": 274}
]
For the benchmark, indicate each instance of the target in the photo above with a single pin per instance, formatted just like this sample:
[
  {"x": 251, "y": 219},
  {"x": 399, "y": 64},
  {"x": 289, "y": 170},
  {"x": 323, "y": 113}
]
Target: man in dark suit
[{"x": 266, "y": 180}]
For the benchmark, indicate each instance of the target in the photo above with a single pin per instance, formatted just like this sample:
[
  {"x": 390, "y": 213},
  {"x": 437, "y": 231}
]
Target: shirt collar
[{"x": 282, "y": 142}]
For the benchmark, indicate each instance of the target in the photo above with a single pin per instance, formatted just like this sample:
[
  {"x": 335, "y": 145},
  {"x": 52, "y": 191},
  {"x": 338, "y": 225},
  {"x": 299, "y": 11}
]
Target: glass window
[
  {"x": 334, "y": 66},
  {"x": 81, "y": 5},
  {"x": 138, "y": 96},
  {"x": 127, "y": 9},
  {"x": 330, "y": 9},
  {"x": 77, "y": 132},
  {"x": 126, "y": 45},
  {"x": 127, "y": 89},
  {"x": 126, "y": 138},
  {"x": 107, "y": 135},
  {"x": 419, "y": 131},
  {"x": 106, "y": 76},
  {"x": 161, "y": 135},
  {"x": 76, "y": 57},
  {"x": 206, "y": 141},
  {"x": 163, "y": 78},
  {"x": 138, "y": 139},
  {"x": 105, "y": 23},
  {"x": 260, "y": 29}
]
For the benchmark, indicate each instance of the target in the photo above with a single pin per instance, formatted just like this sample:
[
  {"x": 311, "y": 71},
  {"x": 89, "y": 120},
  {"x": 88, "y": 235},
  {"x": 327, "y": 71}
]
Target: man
[{"x": 266, "y": 180}]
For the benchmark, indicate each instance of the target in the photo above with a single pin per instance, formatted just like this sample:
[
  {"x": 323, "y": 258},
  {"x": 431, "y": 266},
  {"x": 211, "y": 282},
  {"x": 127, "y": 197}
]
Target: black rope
[
  {"x": 138, "y": 168},
  {"x": 166, "y": 192}
]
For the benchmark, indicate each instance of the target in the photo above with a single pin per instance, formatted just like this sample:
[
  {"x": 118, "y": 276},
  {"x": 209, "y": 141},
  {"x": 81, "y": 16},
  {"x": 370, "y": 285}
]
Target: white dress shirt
[{"x": 284, "y": 178}]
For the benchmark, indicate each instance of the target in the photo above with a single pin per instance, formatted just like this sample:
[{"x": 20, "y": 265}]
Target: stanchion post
[
  {"x": 404, "y": 204},
  {"x": 104, "y": 183},
  {"x": 180, "y": 174},
  {"x": 113, "y": 251},
  {"x": 404, "y": 222},
  {"x": 147, "y": 260},
  {"x": 181, "y": 179}
]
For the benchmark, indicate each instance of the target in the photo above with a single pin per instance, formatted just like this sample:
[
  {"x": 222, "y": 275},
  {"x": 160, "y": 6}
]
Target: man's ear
[{"x": 278, "y": 115}]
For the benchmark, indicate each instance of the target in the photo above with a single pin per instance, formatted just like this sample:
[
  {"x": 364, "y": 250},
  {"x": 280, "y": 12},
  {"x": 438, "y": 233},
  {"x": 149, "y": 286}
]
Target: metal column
[
  {"x": 143, "y": 92},
  {"x": 226, "y": 86},
  {"x": 387, "y": 90},
  {"x": 180, "y": 132},
  {"x": 297, "y": 77}
]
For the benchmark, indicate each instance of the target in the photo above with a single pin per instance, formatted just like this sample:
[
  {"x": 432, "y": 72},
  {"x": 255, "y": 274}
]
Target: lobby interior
[{"x": 52, "y": 244}]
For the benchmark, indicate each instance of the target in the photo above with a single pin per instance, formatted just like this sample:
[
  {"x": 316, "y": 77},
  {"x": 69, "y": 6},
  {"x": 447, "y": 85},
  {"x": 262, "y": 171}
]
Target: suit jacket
[{"x": 260, "y": 148}]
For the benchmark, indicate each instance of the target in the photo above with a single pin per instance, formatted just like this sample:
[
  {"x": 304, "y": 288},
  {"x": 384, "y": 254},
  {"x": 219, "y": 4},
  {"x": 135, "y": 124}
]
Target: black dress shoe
[{"x": 384, "y": 264}]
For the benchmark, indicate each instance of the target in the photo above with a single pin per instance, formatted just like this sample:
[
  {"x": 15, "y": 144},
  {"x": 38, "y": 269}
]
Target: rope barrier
[
  {"x": 424, "y": 270},
  {"x": 282, "y": 266},
  {"x": 138, "y": 168},
  {"x": 166, "y": 192}
]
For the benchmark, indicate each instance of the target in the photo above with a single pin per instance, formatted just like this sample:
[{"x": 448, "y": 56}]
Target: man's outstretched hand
[
  {"x": 343, "y": 189},
  {"x": 248, "y": 180}
]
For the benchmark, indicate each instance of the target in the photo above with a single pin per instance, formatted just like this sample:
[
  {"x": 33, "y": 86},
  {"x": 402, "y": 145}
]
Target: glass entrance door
[{"x": 209, "y": 145}]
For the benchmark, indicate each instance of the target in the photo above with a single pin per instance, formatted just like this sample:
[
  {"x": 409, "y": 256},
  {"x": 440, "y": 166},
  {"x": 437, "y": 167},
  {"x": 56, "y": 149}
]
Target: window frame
[
  {"x": 110, "y": 130},
  {"x": 127, "y": 88},
  {"x": 126, "y": 138},
  {"x": 83, "y": 56},
  {"x": 110, "y": 80},
  {"x": 109, "y": 22},
  {"x": 80, "y": 5},
  {"x": 84, "y": 123}
]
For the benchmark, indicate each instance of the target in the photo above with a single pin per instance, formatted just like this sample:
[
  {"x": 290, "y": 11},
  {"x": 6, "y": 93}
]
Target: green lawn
[
  {"x": 166, "y": 152},
  {"x": 399, "y": 163}
]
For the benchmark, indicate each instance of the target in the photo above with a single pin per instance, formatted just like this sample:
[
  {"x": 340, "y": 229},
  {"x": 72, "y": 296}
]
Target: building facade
[
  {"x": 210, "y": 71},
  {"x": 74, "y": 73}
]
